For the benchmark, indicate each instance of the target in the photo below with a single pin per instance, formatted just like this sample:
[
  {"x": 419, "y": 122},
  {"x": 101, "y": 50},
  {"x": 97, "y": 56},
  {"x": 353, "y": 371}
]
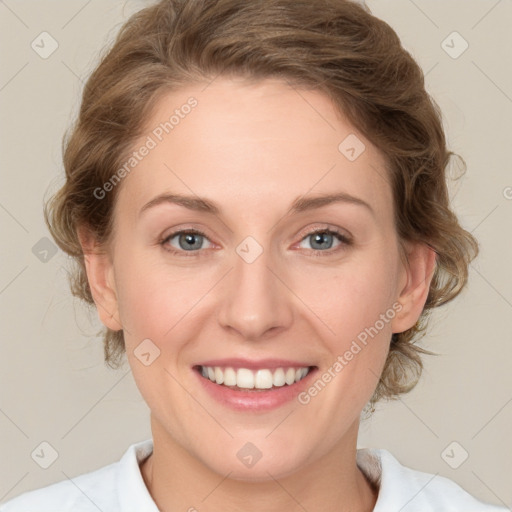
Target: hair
[{"x": 336, "y": 47}]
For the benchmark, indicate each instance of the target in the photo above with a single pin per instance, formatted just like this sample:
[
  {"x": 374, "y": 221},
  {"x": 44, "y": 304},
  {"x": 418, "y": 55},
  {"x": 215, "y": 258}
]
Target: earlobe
[
  {"x": 100, "y": 275},
  {"x": 418, "y": 274}
]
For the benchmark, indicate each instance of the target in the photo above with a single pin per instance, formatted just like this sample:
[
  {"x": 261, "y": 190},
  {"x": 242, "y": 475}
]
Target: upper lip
[{"x": 237, "y": 362}]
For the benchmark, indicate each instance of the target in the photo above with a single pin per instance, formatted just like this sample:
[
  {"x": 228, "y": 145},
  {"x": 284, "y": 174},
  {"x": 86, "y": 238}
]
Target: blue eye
[
  {"x": 188, "y": 240},
  {"x": 191, "y": 241},
  {"x": 323, "y": 239}
]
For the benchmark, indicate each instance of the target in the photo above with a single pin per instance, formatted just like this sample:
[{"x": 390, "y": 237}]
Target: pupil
[
  {"x": 190, "y": 241},
  {"x": 319, "y": 237}
]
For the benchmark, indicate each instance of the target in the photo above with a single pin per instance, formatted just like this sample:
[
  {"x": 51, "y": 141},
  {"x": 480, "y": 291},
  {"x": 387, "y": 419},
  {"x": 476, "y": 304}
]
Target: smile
[{"x": 245, "y": 378}]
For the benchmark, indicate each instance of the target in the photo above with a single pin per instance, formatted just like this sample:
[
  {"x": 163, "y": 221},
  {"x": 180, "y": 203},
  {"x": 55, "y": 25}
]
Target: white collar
[{"x": 400, "y": 488}]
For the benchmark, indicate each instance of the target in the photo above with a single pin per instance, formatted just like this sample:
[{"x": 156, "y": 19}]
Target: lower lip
[{"x": 255, "y": 400}]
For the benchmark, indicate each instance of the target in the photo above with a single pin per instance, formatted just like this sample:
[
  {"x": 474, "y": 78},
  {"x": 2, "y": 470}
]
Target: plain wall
[{"x": 54, "y": 384}]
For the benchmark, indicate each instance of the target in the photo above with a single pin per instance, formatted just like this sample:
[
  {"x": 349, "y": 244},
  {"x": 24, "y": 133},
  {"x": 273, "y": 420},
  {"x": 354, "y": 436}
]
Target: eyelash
[{"x": 345, "y": 241}]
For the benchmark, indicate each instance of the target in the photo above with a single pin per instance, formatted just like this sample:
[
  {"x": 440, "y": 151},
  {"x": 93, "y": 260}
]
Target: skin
[{"x": 253, "y": 148}]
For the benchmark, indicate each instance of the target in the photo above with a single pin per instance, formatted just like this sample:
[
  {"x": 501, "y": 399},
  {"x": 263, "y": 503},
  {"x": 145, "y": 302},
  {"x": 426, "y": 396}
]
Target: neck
[{"x": 177, "y": 480}]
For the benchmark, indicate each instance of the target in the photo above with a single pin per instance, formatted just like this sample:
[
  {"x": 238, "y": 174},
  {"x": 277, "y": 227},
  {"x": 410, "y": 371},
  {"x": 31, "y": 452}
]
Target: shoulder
[
  {"x": 109, "y": 488},
  {"x": 405, "y": 489}
]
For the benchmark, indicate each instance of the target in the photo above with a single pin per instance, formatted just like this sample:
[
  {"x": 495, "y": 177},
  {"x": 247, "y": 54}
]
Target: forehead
[{"x": 253, "y": 145}]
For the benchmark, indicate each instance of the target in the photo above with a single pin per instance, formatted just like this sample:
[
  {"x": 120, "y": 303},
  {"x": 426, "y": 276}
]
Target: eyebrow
[{"x": 300, "y": 204}]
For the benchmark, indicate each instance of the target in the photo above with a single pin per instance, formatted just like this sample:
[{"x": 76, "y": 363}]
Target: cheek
[
  {"x": 143, "y": 297},
  {"x": 153, "y": 296},
  {"x": 349, "y": 299}
]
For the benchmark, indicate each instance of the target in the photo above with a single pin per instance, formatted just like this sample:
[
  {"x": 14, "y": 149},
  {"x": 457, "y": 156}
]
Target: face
[{"x": 252, "y": 282}]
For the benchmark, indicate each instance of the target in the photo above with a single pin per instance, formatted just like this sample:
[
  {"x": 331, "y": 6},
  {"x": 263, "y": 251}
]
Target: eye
[
  {"x": 191, "y": 241},
  {"x": 188, "y": 241},
  {"x": 321, "y": 241}
]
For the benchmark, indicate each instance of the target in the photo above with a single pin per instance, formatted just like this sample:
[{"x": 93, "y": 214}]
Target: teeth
[
  {"x": 229, "y": 377},
  {"x": 219, "y": 376},
  {"x": 278, "y": 378},
  {"x": 263, "y": 379},
  {"x": 249, "y": 379},
  {"x": 244, "y": 378}
]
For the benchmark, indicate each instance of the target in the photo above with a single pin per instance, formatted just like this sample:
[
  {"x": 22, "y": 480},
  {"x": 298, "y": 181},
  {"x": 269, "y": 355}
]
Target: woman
[{"x": 256, "y": 201}]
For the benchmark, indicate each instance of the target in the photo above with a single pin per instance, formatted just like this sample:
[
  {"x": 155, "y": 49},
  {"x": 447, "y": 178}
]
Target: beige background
[{"x": 54, "y": 385}]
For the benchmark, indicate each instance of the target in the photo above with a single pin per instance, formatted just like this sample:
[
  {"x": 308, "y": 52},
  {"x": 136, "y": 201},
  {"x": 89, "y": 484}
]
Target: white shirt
[{"x": 119, "y": 487}]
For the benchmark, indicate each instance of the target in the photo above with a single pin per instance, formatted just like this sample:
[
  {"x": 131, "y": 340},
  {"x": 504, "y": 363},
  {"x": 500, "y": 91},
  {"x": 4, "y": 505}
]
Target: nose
[{"x": 256, "y": 299}]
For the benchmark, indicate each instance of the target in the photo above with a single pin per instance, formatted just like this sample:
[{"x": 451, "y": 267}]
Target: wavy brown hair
[{"x": 336, "y": 47}]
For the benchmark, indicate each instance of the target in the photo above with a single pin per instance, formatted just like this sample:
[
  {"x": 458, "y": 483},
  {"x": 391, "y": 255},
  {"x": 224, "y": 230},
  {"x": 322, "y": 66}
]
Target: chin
[{"x": 249, "y": 464}]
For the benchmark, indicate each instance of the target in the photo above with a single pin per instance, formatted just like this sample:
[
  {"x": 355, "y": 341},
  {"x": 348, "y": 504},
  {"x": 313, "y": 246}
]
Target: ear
[
  {"x": 100, "y": 274},
  {"x": 417, "y": 274}
]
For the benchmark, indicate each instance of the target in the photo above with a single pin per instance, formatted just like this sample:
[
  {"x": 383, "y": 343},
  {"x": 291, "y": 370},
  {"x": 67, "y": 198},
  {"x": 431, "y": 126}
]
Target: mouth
[{"x": 254, "y": 380}]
